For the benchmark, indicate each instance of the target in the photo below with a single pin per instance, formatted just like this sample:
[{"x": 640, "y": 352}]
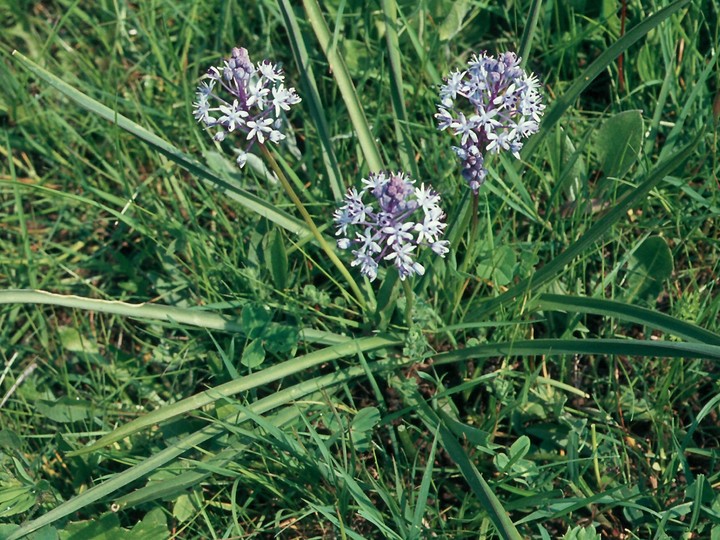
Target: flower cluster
[
  {"x": 387, "y": 228},
  {"x": 255, "y": 100},
  {"x": 491, "y": 106}
]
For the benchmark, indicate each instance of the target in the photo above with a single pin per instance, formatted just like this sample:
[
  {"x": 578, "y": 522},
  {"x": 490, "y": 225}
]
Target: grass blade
[
  {"x": 505, "y": 527},
  {"x": 254, "y": 380},
  {"x": 594, "y": 233},
  {"x": 602, "y": 347},
  {"x": 627, "y": 312},
  {"x": 176, "y": 449},
  {"x": 400, "y": 117},
  {"x": 564, "y": 102},
  {"x": 245, "y": 198},
  {"x": 193, "y": 317},
  {"x": 529, "y": 31},
  {"x": 311, "y": 97},
  {"x": 345, "y": 85}
]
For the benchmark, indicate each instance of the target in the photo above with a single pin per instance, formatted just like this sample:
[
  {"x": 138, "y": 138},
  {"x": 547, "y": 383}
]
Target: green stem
[
  {"x": 313, "y": 228},
  {"x": 408, "y": 301},
  {"x": 470, "y": 252}
]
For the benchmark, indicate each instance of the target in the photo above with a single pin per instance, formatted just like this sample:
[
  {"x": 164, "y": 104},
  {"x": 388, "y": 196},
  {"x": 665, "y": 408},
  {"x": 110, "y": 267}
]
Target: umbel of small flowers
[
  {"x": 491, "y": 106},
  {"x": 392, "y": 225},
  {"x": 245, "y": 98}
]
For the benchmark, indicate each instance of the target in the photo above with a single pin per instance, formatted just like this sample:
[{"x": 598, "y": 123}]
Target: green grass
[{"x": 197, "y": 367}]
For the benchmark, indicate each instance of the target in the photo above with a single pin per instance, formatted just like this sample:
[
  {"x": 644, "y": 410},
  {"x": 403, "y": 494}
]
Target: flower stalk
[{"x": 275, "y": 166}]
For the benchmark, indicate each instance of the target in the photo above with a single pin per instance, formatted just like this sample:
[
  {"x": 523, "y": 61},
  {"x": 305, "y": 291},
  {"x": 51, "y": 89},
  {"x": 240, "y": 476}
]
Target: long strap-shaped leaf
[
  {"x": 600, "y": 64},
  {"x": 345, "y": 85},
  {"x": 151, "y": 464},
  {"x": 593, "y": 234},
  {"x": 497, "y": 514},
  {"x": 311, "y": 97},
  {"x": 239, "y": 195},
  {"x": 400, "y": 118},
  {"x": 626, "y": 312},
  {"x": 254, "y": 380},
  {"x": 603, "y": 347},
  {"x": 208, "y": 320}
]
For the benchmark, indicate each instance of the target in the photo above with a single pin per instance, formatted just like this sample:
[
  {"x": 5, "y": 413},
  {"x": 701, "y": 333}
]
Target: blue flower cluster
[
  {"x": 257, "y": 99},
  {"x": 491, "y": 106},
  {"x": 398, "y": 219}
]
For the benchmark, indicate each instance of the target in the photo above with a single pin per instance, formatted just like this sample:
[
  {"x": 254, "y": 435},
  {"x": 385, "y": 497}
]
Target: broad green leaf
[
  {"x": 582, "y": 533},
  {"x": 253, "y": 355},
  {"x": 16, "y": 500},
  {"x": 255, "y": 318},
  {"x": 618, "y": 143},
  {"x": 650, "y": 265},
  {"x": 452, "y": 24},
  {"x": 497, "y": 265},
  {"x": 72, "y": 340},
  {"x": 64, "y": 410},
  {"x": 362, "y": 426},
  {"x": 183, "y": 508},
  {"x": 276, "y": 257},
  {"x": 280, "y": 338},
  {"x": 9, "y": 440}
]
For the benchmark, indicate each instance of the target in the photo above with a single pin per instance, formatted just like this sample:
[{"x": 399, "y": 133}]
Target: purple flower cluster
[
  {"x": 491, "y": 106},
  {"x": 398, "y": 219},
  {"x": 256, "y": 99}
]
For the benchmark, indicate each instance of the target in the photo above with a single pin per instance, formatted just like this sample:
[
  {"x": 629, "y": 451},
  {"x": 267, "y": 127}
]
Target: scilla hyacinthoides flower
[
  {"x": 245, "y": 98},
  {"x": 491, "y": 106},
  {"x": 399, "y": 219}
]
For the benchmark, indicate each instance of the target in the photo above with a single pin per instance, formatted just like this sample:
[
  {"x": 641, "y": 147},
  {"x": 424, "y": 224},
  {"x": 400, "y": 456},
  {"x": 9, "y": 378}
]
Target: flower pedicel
[
  {"x": 491, "y": 106},
  {"x": 387, "y": 228},
  {"x": 255, "y": 98}
]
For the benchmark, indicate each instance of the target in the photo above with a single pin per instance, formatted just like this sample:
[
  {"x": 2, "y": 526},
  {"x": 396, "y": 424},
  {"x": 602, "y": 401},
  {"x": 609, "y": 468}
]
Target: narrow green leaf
[
  {"x": 601, "y": 63},
  {"x": 594, "y": 233},
  {"x": 505, "y": 527},
  {"x": 626, "y": 312},
  {"x": 400, "y": 118},
  {"x": 423, "y": 492},
  {"x": 177, "y": 448},
  {"x": 193, "y": 317},
  {"x": 452, "y": 24},
  {"x": 311, "y": 97},
  {"x": 345, "y": 85},
  {"x": 245, "y": 198},
  {"x": 529, "y": 30},
  {"x": 254, "y": 380},
  {"x": 602, "y": 347}
]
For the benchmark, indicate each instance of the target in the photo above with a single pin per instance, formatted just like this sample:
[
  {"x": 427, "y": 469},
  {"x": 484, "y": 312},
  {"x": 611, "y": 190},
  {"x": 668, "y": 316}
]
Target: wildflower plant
[
  {"x": 492, "y": 106},
  {"x": 331, "y": 338},
  {"x": 239, "y": 97},
  {"x": 398, "y": 220}
]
